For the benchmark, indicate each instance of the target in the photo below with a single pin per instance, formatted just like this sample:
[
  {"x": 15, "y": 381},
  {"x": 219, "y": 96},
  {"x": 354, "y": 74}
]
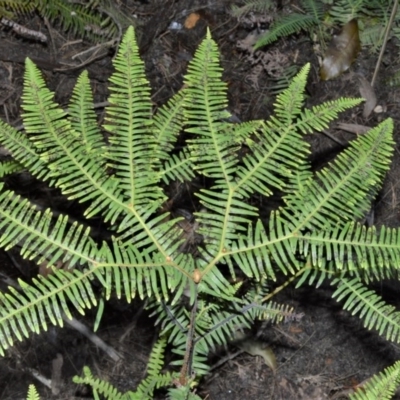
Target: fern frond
[
  {"x": 129, "y": 120},
  {"x": 366, "y": 252},
  {"x": 84, "y": 122},
  {"x": 286, "y": 26},
  {"x": 100, "y": 387},
  {"x": 344, "y": 190},
  {"x": 182, "y": 393},
  {"x": 381, "y": 386},
  {"x": 278, "y": 153},
  {"x": 370, "y": 307},
  {"x": 168, "y": 122},
  {"x": 45, "y": 299},
  {"x": 155, "y": 378},
  {"x": 372, "y": 36},
  {"x": 32, "y": 393},
  {"x": 39, "y": 236},
  {"x": 59, "y": 146},
  {"x": 128, "y": 269},
  {"x": 314, "y": 7},
  {"x": 259, "y": 253},
  {"x": 77, "y": 18},
  {"x": 9, "y": 7},
  {"x": 214, "y": 150},
  {"x": 178, "y": 167},
  {"x": 343, "y": 11},
  {"x": 10, "y": 167},
  {"x": 22, "y": 150},
  {"x": 258, "y": 6}
]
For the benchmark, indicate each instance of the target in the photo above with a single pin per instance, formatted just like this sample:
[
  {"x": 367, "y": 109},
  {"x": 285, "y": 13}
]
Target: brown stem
[{"x": 186, "y": 369}]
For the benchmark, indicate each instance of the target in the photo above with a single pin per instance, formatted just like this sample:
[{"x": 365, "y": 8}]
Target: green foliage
[
  {"x": 260, "y": 6},
  {"x": 381, "y": 386},
  {"x": 201, "y": 298},
  {"x": 145, "y": 391},
  {"x": 93, "y": 19},
  {"x": 32, "y": 393},
  {"x": 317, "y": 17},
  {"x": 286, "y": 25}
]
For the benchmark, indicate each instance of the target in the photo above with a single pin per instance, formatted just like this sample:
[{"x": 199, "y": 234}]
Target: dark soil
[{"x": 323, "y": 355}]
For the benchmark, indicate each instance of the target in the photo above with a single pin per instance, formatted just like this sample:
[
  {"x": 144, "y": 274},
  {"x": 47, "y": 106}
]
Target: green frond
[
  {"x": 370, "y": 307},
  {"x": 314, "y": 276},
  {"x": 262, "y": 250},
  {"x": 100, "y": 387},
  {"x": 372, "y": 36},
  {"x": 212, "y": 150},
  {"x": 84, "y": 122},
  {"x": 129, "y": 120},
  {"x": 77, "y": 18},
  {"x": 182, "y": 393},
  {"x": 258, "y": 6},
  {"x": 40, "y": 236},
  {"x": 343, "y": 11},
  {"x": 10, "y": 167},
  {"x": 178, "y": 167},
  {"x": 59, "y": 146},
  {"x": 369, "y": 253},
  {"x": 168, "y": 122},
  {"x": 9, "y": 7},
  {"x": 22, "y": 150},
  {"x": 156, "y": 359},
  {"x": 278, "y": 157},
  {"x": 288, "y": 104},
  {"x": 286, "y": 26},
  {"x": 381, "y": 386},
  {"x": 314, "y": 7},
  {"x": 32, "y": 393},
  {"x": 197, "y": 298},
  {"x": 130, "y": 271},
  {"x": 46, "y": 299},
  {"x": 343, "y": 191},
  {"x": 319, "y": 117},
  {"x": 155, "y": 379}
]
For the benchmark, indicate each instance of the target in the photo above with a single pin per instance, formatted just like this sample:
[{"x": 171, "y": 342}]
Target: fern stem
[
  {"x": 186, "y": 370},
  {"x": 279, "y": 288}
]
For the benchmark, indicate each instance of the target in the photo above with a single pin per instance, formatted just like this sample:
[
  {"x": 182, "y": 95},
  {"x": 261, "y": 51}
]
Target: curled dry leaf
[
  {"x": 367, "y": 92},
  {"x": 258, "y": 348},
  {"x": 342, "y": 51},
  {"x": 353, "y": 128}
]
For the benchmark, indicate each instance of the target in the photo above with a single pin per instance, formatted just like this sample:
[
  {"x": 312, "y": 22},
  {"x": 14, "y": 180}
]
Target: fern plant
[
  {"x": 121, "y": 175},
  {"x": 94, "y": 19},
  {"x": 315, "y": 17},
  {"x": 287, "y": 24},
  {"x": 382, "y": 386}
]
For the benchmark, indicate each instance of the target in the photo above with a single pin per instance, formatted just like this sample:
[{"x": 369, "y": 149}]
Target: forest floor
[{"x": 323, "y": 355}]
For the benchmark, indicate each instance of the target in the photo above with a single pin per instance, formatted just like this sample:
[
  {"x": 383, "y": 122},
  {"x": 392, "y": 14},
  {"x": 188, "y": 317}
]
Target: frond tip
[{"x": 381, "y": 386}]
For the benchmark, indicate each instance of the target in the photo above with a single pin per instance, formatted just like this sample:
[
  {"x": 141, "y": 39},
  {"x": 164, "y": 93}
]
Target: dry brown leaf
[
  {"x": 192, "y": 20},
  {"x": 367, "y": 92},
  {"x": 357, "y": 129},
  {"x": 342, "y": 51}
]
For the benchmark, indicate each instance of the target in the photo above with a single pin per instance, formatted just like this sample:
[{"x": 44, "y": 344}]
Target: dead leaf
[
  {"x": 353, "y": 128},
  {"x": 192, "y": 20},
  {"x": 258, "y": 348},
  {"x": 367, "y": 92},
  {"x": 295, "y": 329},
  {"x": 342, "y": 51}
]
